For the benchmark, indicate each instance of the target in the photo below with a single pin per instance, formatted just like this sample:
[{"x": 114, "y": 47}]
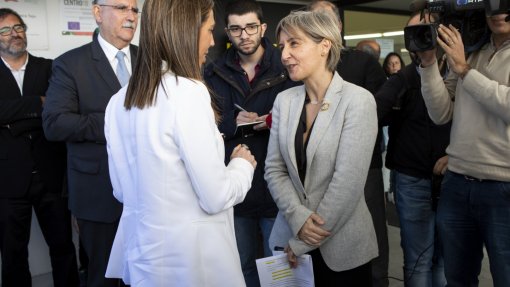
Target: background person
[
  {"x": 474, "y": 209},
  {"x": 166, "y": 156},
  {"x": 250, "y": 74},
  {"x": 82, "y": 83},
  {"x": 417, "y": 158},
  {"x": 370, "y": 47},
  {"x": 32, "y": 170},
  {"x": 393, "y": 63},
  {"x": 318, "y": 158}
]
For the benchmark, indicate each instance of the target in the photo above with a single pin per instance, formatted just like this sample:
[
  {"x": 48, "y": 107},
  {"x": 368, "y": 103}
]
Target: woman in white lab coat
[{"x": 166, "y": 159}]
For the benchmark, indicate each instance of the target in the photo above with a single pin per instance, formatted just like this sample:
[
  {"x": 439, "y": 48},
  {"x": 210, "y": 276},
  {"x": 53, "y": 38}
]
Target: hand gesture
[
  {"x": 291, "y": 257},
  {"x": 450, "y": 40},
  {"x": 246, "y": 117},
  {"x": 427, "y": 58},
  {"x": 243, "y": 151},
  {"x": 311, "y": 232},
  {"x": 263, "y": 125},
  {"x": 441, "y": 166}
]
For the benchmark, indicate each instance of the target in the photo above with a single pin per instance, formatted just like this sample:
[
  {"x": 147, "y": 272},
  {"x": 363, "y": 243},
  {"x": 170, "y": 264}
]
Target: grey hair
[{"x": 318, "y": 26}]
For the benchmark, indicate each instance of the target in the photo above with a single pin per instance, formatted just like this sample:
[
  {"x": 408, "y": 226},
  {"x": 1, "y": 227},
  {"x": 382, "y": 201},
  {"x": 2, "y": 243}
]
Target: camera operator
[
  {"x": 416, "y": 156},
  {"x": 474, "y": 208}
]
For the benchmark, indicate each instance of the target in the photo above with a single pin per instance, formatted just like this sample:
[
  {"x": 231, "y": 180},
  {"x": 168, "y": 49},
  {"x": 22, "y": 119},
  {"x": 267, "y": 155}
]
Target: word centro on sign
[{"x": 77, "y": 2}]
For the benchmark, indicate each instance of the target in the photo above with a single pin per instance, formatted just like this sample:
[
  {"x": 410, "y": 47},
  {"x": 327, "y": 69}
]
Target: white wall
[{"x": 58, "y": 43}]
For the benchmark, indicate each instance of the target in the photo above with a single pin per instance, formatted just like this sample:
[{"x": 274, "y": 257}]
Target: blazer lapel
[
  {"x": 103, "y": 67},
  {"x": 9, "y": 85},
  {"x": 295, "y": 107},
  {"x": 324, "y": 118},
  {"x": 30, "y": 76}
]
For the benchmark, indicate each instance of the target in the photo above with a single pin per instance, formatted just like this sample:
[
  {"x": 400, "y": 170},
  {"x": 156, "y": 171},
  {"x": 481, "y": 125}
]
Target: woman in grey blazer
[{"x": 322, "y": 138}]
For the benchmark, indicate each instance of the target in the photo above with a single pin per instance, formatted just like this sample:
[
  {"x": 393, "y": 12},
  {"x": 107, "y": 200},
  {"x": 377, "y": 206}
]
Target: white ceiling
[{"x": 396, "y": 5}]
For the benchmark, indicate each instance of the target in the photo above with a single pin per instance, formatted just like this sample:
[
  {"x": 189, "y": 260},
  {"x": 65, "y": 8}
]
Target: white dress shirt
[
  {"x": 19, "y": 75},
  {"x": 110, "y": 52}
]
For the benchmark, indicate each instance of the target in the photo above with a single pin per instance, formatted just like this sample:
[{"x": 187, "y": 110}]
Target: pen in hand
[{"x": 240, "y": 108}]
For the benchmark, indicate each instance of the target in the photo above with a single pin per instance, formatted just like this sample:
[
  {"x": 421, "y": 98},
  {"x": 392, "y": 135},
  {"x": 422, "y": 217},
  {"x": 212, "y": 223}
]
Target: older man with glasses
[
  {"x": 82, "y": 83},
  {"x": 31, "y": 168}
]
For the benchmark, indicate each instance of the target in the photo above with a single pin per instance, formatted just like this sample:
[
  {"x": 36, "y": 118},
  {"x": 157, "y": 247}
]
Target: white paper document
[{"x": 275, "y": 271}]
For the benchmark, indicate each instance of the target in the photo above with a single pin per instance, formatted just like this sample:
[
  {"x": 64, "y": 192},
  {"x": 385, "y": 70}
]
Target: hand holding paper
[{"x": 275, "y": 271}]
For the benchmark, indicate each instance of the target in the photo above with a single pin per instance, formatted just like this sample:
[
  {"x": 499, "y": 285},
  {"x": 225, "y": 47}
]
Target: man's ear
[
  {"x": 96, "y": 12},
  {"x": 228, "y": 34},
  {"x": 263, "y": 28}
]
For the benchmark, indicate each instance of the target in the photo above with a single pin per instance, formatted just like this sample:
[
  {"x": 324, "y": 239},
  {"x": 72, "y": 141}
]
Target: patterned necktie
[{"x": 122, "y": 72}]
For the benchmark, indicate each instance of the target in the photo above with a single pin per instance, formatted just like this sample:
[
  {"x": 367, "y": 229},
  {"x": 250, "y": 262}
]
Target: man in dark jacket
[
  {"x": 417, "y": 156},
  {"x": 32, "y": 169},
  {"x": 83, "y": 81},
  {"x": 246, "y": 80}
]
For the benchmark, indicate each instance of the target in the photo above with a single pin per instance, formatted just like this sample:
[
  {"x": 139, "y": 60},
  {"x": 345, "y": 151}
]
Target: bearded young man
[
  {"x": 249, "y": 75},
  {"x": 31, "y": 168}
]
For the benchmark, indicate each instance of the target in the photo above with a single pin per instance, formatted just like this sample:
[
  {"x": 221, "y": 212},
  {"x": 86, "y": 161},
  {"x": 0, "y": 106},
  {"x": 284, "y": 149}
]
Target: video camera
[{"x": 466, "y": 15}]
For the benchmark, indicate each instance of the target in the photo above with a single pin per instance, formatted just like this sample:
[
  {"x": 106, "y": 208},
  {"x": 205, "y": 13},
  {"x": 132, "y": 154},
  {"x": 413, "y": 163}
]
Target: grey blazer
[{"x": 338, "y": 158}]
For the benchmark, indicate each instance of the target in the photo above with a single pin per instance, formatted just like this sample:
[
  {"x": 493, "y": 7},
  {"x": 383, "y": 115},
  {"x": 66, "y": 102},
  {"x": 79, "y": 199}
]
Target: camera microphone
[{"x": 417, "y": 5}]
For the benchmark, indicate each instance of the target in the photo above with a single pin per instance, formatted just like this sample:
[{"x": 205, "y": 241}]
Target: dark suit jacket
[
  {"x": 23, "y": 147},
  {"x": 361, "y": 69},
  {"x": 82, "y": 83}
]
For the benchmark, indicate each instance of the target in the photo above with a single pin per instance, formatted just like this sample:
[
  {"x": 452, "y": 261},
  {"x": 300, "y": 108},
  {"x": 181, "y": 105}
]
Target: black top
[
  {"x": 415, "y": 142},
  {"x": 301, "y": 146},
  {"x": 363, "y": 70},
  {"x": 23, "y": 146}
]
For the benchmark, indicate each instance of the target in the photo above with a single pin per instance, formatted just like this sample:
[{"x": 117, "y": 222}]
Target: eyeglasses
[
  {"x": 7, "y": 30},
  {"x": 122, "y": 8},
  {"x": 236, "y": 31}
]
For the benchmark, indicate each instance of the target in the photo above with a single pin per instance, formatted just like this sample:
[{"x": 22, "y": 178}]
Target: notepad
[{"x": 246, "y": 130}]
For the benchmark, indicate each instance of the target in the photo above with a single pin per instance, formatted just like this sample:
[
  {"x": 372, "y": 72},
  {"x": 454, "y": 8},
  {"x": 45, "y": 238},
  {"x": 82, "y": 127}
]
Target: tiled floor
[
  {"x": 395, "y": 269},
  {"x": 396, "y": 261}
]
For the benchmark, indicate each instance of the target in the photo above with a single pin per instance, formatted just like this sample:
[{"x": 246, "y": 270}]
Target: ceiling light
[
  {"x": 363, "y": 36},
  {"x": 394, "y": 33}
]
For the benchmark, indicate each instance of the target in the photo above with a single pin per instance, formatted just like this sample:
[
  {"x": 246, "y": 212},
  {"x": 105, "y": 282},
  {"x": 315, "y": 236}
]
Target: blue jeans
[
  {"x": 248, "y": 231},
  {"x": 423, "y": 264},
  {"x": 471, "y": 214}
]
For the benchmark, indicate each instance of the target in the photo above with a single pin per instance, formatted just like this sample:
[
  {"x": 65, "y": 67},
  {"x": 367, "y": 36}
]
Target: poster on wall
[
  {"x": 387, "y": 46},
  {"x": 33, "y": 13},
  {"x": 76, "y": 17}
]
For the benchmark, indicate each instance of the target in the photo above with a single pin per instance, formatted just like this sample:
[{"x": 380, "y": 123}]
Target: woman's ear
[{"x": 325, "y": 46}]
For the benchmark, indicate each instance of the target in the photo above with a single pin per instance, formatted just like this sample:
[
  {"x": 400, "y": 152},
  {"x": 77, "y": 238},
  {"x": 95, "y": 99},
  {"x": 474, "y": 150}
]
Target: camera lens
[{"x": 420, "y": 37}]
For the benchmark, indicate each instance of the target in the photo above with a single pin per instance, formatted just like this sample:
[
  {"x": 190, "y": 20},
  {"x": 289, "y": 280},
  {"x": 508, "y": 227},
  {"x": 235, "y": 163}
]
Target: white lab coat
[{"x": 167, "y": 167}]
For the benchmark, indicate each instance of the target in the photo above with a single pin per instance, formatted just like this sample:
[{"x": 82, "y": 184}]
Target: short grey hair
[{"x": 317, "y": 25}]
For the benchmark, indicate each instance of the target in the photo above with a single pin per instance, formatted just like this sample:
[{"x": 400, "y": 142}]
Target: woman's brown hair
[{"x": 169, "y": 34}]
